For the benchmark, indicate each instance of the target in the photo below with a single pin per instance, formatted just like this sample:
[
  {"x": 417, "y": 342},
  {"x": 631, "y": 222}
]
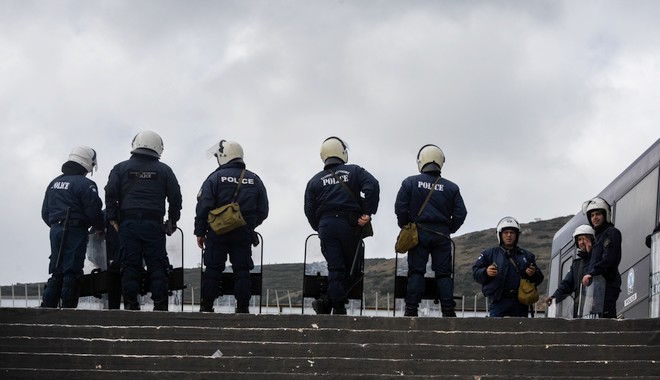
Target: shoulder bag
[
  {"x": 408, "y": 237},
  {"x": 228, "y": 217},
  {"x": 527, "y": 292}
]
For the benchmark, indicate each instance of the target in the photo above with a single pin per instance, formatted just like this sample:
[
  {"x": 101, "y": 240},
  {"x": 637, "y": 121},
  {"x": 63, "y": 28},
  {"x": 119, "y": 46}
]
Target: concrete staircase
[{"x": 86, "y": 344}]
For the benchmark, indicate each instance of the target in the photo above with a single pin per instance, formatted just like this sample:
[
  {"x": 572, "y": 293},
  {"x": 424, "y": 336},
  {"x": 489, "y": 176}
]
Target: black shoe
[
  {"x": 206, "y": 309},
  {"x": 160, "y": 306},
  {"x": 321, "y": 305},
  {"x": 339, "y": 310},
  {"x": 449, "y": 314},
  {"x": 131, "y": 305},
  {"x": 206, "y": 306},
  {"x": 242, "y": 309},
  {"x": 410, "y": 311}
]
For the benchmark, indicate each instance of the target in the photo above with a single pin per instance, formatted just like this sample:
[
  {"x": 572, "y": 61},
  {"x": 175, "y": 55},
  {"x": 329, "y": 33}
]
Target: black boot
[
  {"x": 321, "y": 305},
  {"x": 160, "y": 305},
  {"x": 449, "y": 313},
  {"x": 206, "y": 306},
  {"x": 242, "y": 309},
  {"x": 131, "y": 304},
  {"x": 339, "y": 309},
  {"x": 411, "y": 311}
]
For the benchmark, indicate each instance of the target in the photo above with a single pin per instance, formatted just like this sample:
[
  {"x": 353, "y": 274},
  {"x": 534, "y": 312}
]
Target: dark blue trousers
[
  {"x": 143, "y": 241},
  {"x": 339, "y": 241},
  {"x": 508, "y": 307},
  {"x": 63, "y": 283},
  {"x": 439, "y": 248},
  {"x": 237, "y": 245}
]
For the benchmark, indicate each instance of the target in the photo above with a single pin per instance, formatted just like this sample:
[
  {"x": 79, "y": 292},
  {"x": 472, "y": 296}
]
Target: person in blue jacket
[
  {"x": 135, "y": 198},
  {"x": 217, "y": 190},
  {"x": 495, "y": 271},
  {"x": 71, "y": 206},
  {"x": 584, "y": 237},
  {"x": 335, "y": 208},
  {"x": 605, "y": 254},
  {"x": 441, "y": 216}
]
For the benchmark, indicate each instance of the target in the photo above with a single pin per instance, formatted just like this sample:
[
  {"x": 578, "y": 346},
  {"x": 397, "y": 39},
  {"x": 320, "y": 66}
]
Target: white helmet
[
  {"x": 508, "y": 222},
  {"x": 226, "y": 151},
  {"x": 149, "y": 143},
  {"x": 334, "y": 150},
  {"x": 85, "y": 156},
  {"x": 430, "y": 158},
  {"x": 597, "y": 204},
  {"x": 584, "y": 229}
]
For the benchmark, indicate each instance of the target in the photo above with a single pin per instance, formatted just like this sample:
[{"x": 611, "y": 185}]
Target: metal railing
[{"x": 29, "y": 295}]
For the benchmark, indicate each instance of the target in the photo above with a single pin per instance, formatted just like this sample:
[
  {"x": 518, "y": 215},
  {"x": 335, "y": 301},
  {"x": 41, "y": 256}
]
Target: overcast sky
[{"x": 537, "y": 105}]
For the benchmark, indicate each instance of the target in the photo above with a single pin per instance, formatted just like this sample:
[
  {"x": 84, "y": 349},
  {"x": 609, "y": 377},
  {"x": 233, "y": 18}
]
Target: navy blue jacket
[
  {"x": 157, "y": 182},
  {"x": 606, "y": 252},
  {"x": 74, "y": 191},
  {"x": 507, "y": 278},
  {"x": 218, "y": 190},
  {"x": 570, "y": 285},
  {"x": 445, "y": 212},
  {"x": 324, "y": 195}
]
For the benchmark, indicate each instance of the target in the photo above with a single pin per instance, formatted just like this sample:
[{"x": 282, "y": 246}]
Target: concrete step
[
  {"x": 291, "y": 343},
  {"x": 338, "y": 365},
  {"x": 46, "y": 343},
  {"x": 332, "y": 335},
  {"x": 150, "y": 318},
  {"x": 104, "y": 346}
]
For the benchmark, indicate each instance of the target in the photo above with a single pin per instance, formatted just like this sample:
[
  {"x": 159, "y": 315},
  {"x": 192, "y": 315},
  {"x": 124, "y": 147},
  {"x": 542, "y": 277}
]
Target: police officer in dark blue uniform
[
  {"x": 498, "y": 277},
  {"x": 584, "y": 237},
  {"x": 217, "y": 190},
  {"x": 441, "y": 216},
  {"x": 605, "y": 254},
  {"x": 135, "y": 205},
  {"x": 71, "y": 205},
  {"x": 336, "y": 215}
]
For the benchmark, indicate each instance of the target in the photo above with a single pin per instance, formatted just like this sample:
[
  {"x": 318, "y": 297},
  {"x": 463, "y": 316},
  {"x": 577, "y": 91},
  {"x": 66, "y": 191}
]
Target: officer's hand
[
  {"x": 586, "y": 280},
  {"x": 364, "y": 219},
  {"x": 531, "y": 269},
  {"x": 548, "y": 301},
  {"x": 200, "y": 241},
  {"x": 100, "y": 233},
  {"x": 491, "y": 271},
  {"x": 115, "y": 225},
  {"x": 255, "y": 239},
  {"x": 587, "y": 245}
]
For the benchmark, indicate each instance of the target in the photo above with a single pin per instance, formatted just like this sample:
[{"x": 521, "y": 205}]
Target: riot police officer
[
  {"x": 334, "y": 207},
  {"x": 584, "y": 237},
  {"x": 71, "y": 205},
  {"x": 495, "y": 271},
  {"x": 135, "y": 205},
  {"x": 217, "y": 190},
  {"x": 605, "y": 254},
  {"x": 435, "y": 204}
]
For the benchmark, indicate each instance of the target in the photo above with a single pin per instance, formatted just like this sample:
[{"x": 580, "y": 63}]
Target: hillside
[{"x": 379, "y": 273}]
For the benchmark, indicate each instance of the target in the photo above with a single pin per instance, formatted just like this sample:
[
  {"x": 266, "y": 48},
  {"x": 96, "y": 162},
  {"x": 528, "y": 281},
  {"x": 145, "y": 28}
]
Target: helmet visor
[
  {"x": 95, "y": 164},
  {"x": 213, "y": 150}
]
